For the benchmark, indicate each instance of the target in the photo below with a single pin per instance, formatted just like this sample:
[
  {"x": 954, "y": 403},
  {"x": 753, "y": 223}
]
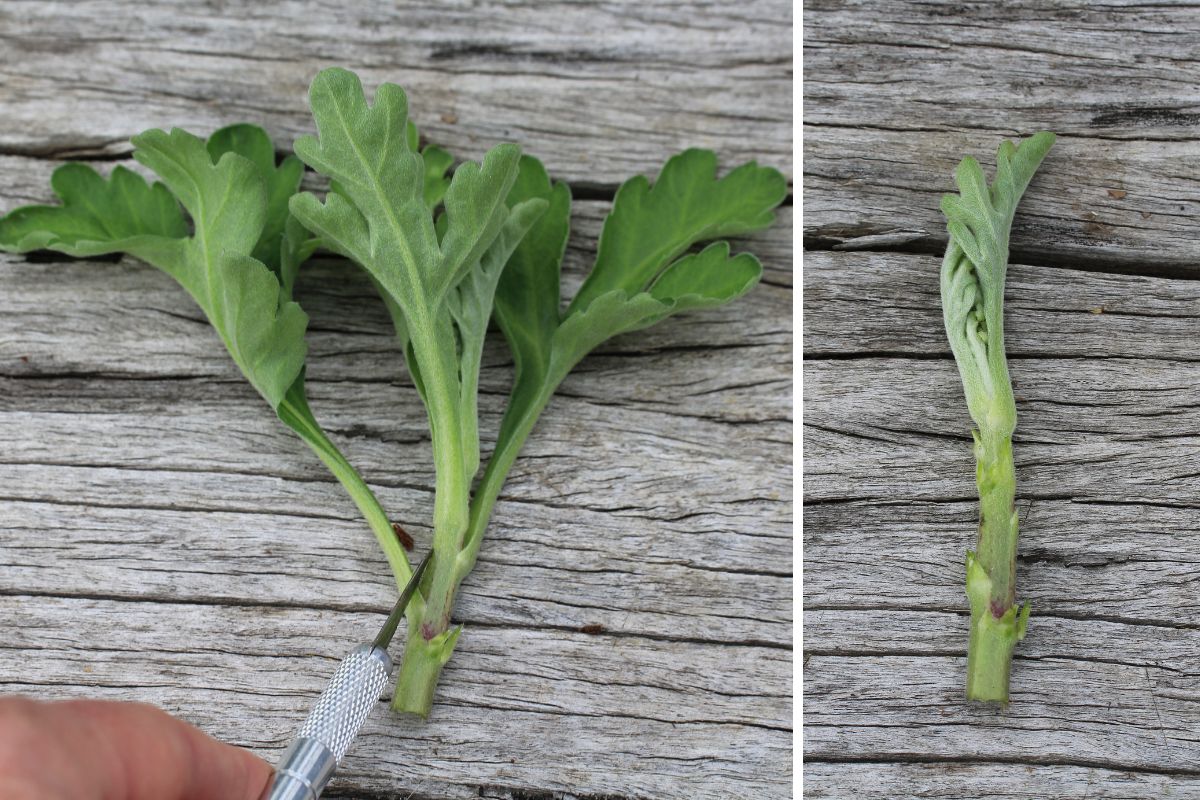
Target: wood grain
[
  {"x": 896, "y": 93},
  {"x": 1102, "y": 309},
  {"x": 148, "y": 497},
  {"x": 150, "y": 501},
  {"x": 612, "y": 711},
  {"x": 1104, "y": 684},
  {"x": 1126, "y": 206},
  {"x": 598, "y": 91},
  {"x": 1012, "y": 781}
]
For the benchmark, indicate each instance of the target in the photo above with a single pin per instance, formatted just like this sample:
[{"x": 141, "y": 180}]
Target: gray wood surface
[
  {"x": 1102, "y": 315},
  {"x": 164, "y": 538},
  {"x": 84, "y": 77}
]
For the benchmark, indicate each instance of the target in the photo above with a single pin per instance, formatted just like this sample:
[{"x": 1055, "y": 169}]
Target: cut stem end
[{"x": 420, "y": 669}]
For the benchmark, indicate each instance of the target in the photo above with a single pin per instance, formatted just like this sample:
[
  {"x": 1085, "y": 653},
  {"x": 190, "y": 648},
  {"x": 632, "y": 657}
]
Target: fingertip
[
  {"x": 247, "y": 774},
  {"x": 156, "y": 756},
  {"x": 220, "y": 770}
]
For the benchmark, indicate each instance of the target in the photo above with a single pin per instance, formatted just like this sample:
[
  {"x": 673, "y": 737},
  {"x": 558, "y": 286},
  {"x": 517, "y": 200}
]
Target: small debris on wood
[
  {"x": 593, "y": 628},
  {"x": 449, "y": 118},
  {"x": 1098, "y": 310},
  {"x": 1117, "y": 194},
  {"x": 402, "y": 536},
  {"x": 24, "y": 359}
]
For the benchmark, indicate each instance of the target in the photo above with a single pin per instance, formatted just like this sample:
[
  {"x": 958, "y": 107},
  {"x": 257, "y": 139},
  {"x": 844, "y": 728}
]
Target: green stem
[
  {"x": 430, "y": 640},
  {"x": 513, "y": 433},
  {"x": 996, "y": 623},
  {"x": 295, "y": 412}
]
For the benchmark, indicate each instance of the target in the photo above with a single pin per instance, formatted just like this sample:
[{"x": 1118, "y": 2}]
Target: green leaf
[
  {"x": 239, "y": 261},
  {"x": 240, "y": 295},
  {"x": 230, "y": 204},
  {"x": 528, "y": 294},
  {"x": 97, "y": 216},
  {"x": 282, "y": 181},
  {"x": 639, "y": 277},
  {"x": 437, "y": 275},
  {"x": 295, "y": 247},
  {"x": 437, "y": 163},
  {"x": 710, "y": 277},
  {"x": 978, "y": 220},
  {"x": 470, "y": 306},
  {"x": 651, "y": 225},
  {"x": 378, "y": 215}
]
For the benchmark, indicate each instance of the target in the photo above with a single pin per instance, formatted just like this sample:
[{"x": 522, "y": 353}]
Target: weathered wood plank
[
  {"x": 889, "y": 303},
  {"x": 1169, "y": 647},
  {"x": 200, "y": 445},
  {"x": 128, "y": 432},
  {"x": 628, "y": 718},
  {"x": 1077, "y": 559},
  {"x": 131, "y": 320},
  {"x": 541, "y": 567},
  {"x": 1085, "y": 693},
  {"x": 1064, "y": 711},
  {"x": 1109, "y": 430},
  {"x": 1114, "y": 70},
  {"x": 197, "y": 444},
  {"x": 1105, "y": 685},
  {"x": 1106, "y": 444},
  {"x": 1129, "y": 205},
  {"x": 599, "y": 92},
  {"x": 148, "y": 498},
  {"x": 896, "y": 94},
  {"x": 152, "y": 328},
  {"x": 953, "y": 780},
  {"x": 1089, "y": 426},
  {"x": 224, "y": 432}
]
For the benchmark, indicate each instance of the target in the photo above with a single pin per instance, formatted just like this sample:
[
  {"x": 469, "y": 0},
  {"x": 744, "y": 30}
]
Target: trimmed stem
[
  {"x": 295, "y": 412},
  {"x": 430, "y": 639},
  {"x": 989, "y": 654},
  {"x": 508, "y": 447},
  {"x": 996, "y": 623},
  {"x": 421, "y": 667}
]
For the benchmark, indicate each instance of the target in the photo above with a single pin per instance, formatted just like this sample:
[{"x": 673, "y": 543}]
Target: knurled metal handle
[
  {"x": 334, "y": 721},
  {"x": 352, "y": 692}
]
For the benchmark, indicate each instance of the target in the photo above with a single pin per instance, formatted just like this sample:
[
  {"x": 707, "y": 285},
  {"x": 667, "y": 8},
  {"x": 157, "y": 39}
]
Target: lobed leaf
[
  {"x": 528, "y": 294},
  {"x": 240, "y": 295},
  {"x": 650, "y": 226},
  {"x": 282, "y": 181},
  {"x": 97, "y": 216},
  {"x": 378, "y": 213},
  {"x": 231, "y": 188},
  {"x": 639, "y": 277},
  {"x": 978, "y": 220}
]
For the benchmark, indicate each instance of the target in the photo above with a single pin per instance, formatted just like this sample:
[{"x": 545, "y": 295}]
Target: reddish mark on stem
[
  {"x": 402, "y": 536},
  {"x": 427, "y": 631},
  {"x": 999, "y": 608}
]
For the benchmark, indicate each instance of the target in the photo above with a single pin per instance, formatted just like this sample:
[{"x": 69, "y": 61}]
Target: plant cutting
[
  {"x": 979, "y": 218},
  {"x": 238, "y": 258},
  {"x": 443, "y": 252},
  {"x": 500, "y": 240}
]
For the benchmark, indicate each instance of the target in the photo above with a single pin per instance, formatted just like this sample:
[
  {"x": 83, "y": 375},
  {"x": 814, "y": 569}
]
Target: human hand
[{"x": 98, "y": 750}]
